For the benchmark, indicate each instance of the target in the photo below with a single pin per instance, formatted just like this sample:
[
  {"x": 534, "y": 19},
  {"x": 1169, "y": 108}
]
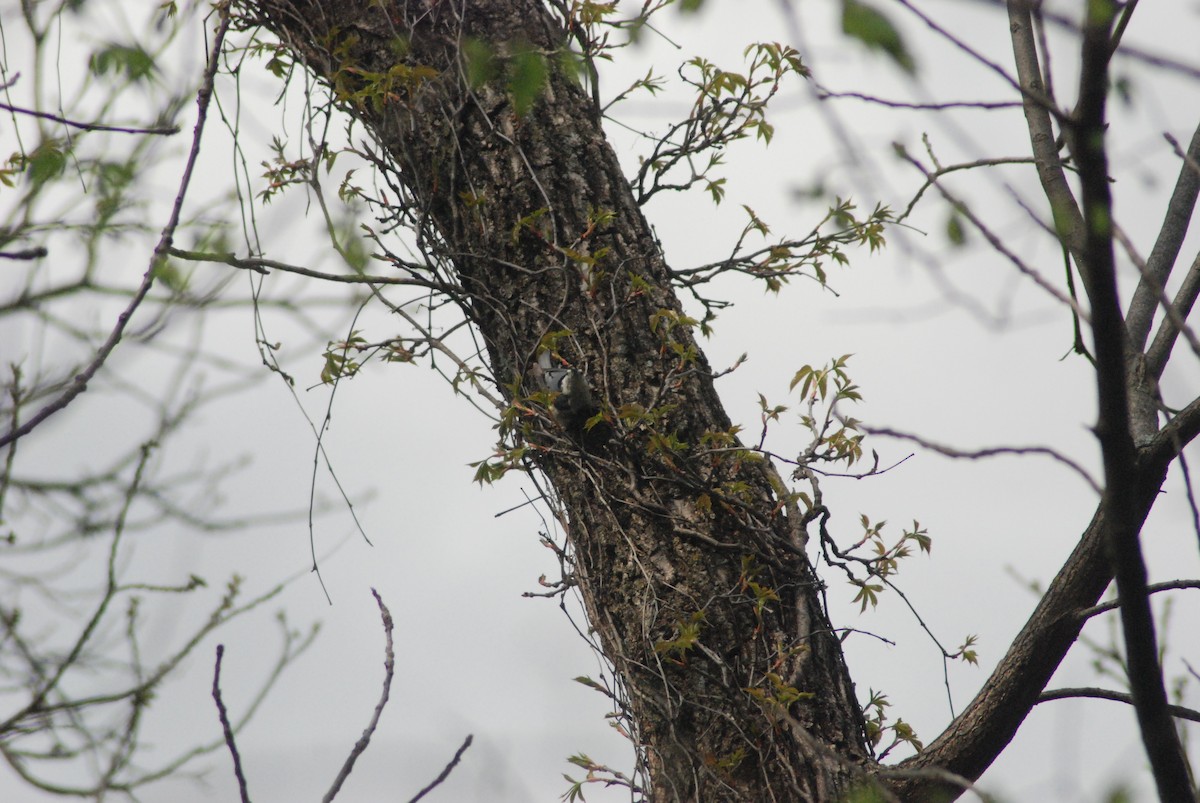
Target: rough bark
[{"x": 691, "y": 567}]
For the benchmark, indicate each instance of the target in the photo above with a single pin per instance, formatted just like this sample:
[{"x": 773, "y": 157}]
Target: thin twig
[
  {"x": 156, "y": 130},
  {"x": 28, "y": 253},
  {"x": 389, "y": 668},
  {"x": 995, "y": 240},
  {"x": 265, "y": 266},
  {"x": 1158, "y": 266},
  {"x": 975, "y": 454},
  {"x": 985, "y": 105},
  {"x": 1178, "y": 711},
  {"x": 1153, "y": 588},
  {"x": 228, "y": 728},
  {"x": 945, "y": 777},
  {"x": 1148, "y": 56},
  {"x": 445, "y": 773}
]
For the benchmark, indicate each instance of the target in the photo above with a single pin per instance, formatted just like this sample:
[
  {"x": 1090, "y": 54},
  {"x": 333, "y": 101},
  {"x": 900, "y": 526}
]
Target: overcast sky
[{"x": 948, "y": 343}]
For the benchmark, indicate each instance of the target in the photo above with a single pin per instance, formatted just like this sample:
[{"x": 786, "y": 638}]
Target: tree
[{"x": 692, "y": 554}]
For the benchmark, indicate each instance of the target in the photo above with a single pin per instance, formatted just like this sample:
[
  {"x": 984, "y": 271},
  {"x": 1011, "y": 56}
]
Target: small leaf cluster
[
  {"x": 878, "y": 726},
  {"x": 522, "y": 72},
  {"x": 817, "y": 380},
  {"x": 729, "y": 106},
  {"x": 883, "y": 562},
  {"x": 775, "y": 693},
  {"x": 339, "y": 364},
  {"x": 367, "y": 89},
  {"x": 500, "y": 463},
  {"x": 596, "y": 773},
  {"x": 828, "y": 386},
  {"x": 130, "y": 61},
  {"x": 732, "y": 105},
  {"x": 726, "y": 764},
  {"x": 281, "y": 172},
  {"x": 687, "y": 635},
  {"x": 762, "y": 596},
  {"x": 666, "y": 324}
]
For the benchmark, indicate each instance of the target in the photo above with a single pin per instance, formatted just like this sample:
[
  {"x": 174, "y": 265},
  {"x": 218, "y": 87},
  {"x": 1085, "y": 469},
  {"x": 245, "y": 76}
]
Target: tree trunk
[{"x": 689, "y": 558}]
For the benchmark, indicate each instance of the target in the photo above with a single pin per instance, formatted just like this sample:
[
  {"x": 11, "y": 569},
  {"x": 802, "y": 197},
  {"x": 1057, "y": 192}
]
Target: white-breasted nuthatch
[{"x": 574, "y": 406}]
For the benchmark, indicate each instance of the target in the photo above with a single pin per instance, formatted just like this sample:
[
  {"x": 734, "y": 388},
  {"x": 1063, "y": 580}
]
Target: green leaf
[
  {"x": 46, "y": 162},
  {"x": 955, "y": 232},
  {"x": 526, "y": 80},
  {"x": 871, "y": 27},
  {"x": 716, "y": 188},
  {"x": 136, "y": 63},
  {"x": 480, "y": 62},
  {"x": 591, "y": 684}
]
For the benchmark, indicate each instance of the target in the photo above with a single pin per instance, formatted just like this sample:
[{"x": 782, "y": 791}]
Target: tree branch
[
  {"x": 994, "y": 239},
  {"x": 158, "y": 130},
  {"x": 227, "y": 728},
  {"x": 993, "y": 451},
  {"x": 1185, "y": 298},
  {"x": 1112, "y": 605},
  {"x": 969, "y": 745},
  {"x": 26, "y": 253},
  {"x": 1176, "y": 434},
  {"x": 1067, "y": 218},
  {"x": 80, "y": 382},
  {"x": 265, "y": 266},
  {"x": 1114, "y": 423},
  {"x": 445, "y": 773},
  {"x": 389, "y": 669},
  {"x": 985, "y": 727},
  {"x": 1166, "y": 248},
  {"x": 1106, "y": 694}
]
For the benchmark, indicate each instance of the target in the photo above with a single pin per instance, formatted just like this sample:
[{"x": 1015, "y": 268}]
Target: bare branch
[
  {"x": 445, "y": 773},
  {"x": 1106, "y": 694},
  {"x": 1176, "y": 434},
  {"x": 389, "y": 668},
  {"x": 28, "y": 253},
  {"x": 1172, "y": 320},
  {"x": 1067, "y": 217},
  {"x": 265, "y": 266},
  {"x": 227, "y": 728},
  {"x": 970, "y": 744},
  {"x": 1114, "y": 423},
  {"x": 1162, "y": 257},
  {"x": 993, "y": 451},
  {"x": 157, "y": 130},
  {"x": 932, "y": 177},
  {"x": 827, "y": 94},
  {"x": 1071, "y": 23},
  {"x": 1115, "y": 604},
  {"x": 972, "y": 741},
  {"x": 1185, "y": 298},
  {"x": 1026, "y": 91},
  {"x": 994, "y": 239}
]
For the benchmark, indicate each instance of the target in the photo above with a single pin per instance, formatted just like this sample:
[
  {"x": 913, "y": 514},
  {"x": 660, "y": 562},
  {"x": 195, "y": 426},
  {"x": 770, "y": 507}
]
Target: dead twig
[
  {"x": 228, "y": 728},
  {"x": 389, "y": 668}
]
